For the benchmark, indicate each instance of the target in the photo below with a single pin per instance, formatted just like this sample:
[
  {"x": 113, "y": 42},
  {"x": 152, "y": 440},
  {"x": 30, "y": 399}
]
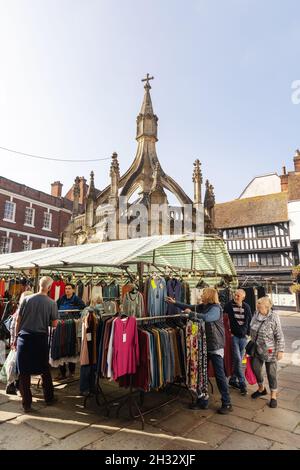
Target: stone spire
[
  {"x": 197, "y": 180},
  {"x": 114, "y": 177},
  {"x": 139, "y": 176},
  {"x": 76, "y": 196},
  {"x": 209, "y": 199},
  {"x": 147, "y": 120},
  {"x": 91, "y": 193},
  {"x": 90, "y": 208},
  {"x": 147, "y": 103},
  {"x": 209, "y": 204}
]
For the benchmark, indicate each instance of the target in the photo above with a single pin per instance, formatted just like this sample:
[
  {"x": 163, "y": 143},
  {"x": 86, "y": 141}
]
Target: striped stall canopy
[
  {"x": 200, "y": 253},
  {"x": 187, "y": 252}
]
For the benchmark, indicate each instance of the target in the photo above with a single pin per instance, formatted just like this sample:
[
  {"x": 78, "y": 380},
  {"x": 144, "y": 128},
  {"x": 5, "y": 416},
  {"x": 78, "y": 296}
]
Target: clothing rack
[
  {"x": 163, "y": 317},
  {"x": 69, "y": 310},
  {"x": 111, "y": 298},
  {"x": 129, "y": 398},
  {"x": 62, "y": 312}
]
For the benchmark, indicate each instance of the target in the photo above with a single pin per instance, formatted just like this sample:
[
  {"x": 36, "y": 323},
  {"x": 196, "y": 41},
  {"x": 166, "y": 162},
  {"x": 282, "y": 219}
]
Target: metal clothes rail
[{"x": 129, "y": 398}]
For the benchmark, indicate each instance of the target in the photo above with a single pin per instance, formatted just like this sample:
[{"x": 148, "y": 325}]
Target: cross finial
[{"x": 147, "y": 84}]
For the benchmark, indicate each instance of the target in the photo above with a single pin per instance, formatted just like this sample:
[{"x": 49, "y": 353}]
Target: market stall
[{"x": 132, "y": 277}]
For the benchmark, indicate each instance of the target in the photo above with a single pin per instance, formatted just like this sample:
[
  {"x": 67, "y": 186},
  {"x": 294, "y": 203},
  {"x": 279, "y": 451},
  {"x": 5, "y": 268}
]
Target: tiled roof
[{"x": 259, "y": 210}]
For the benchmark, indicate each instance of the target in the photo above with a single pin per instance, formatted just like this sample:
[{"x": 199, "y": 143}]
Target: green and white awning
[{"x": 207, "y": 254}]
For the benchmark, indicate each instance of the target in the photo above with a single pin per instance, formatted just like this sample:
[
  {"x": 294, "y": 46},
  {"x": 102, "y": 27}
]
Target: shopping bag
[
  {"x": 249, "y": 374},
  {"x": 3, "y": 376},
  {"x": 11, "y": 366}
]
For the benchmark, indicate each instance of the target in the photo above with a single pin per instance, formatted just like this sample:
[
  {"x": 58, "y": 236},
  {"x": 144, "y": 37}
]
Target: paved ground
[{"x": 252, "y": 425}]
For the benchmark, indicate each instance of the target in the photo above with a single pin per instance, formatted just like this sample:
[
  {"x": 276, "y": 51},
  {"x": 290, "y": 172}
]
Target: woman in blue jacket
[{"x": 211, "y": 312}]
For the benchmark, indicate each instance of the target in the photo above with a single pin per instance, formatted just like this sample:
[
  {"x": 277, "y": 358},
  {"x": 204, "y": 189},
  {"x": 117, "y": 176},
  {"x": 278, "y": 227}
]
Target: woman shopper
[
  {"x": 211, "y": 312},
  {"x": 266, "y": 333}
]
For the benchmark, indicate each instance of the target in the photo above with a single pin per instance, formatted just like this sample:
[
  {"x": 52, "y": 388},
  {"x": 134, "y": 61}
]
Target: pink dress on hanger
[{"x": 126, "y": 353}]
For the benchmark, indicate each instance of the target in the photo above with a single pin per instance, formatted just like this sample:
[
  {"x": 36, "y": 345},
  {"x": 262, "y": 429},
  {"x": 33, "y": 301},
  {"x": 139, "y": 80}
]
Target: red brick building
[{"x": 31, "y": 219}]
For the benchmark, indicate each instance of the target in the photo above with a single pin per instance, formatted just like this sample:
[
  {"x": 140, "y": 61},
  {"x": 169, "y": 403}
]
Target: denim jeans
[
  {"x": 238, "y": 352},
  {"x": 219, "y": 369},
  {"x": 271, "y": 368}
]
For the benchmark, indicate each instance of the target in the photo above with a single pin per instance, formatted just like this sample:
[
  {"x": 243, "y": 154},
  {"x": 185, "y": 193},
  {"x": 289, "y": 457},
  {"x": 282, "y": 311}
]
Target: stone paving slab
[
  {"x": 294, "y": 371},
  {"x": 4, "y": 399},
  {"x": 132, "y": 439},
  {"x": 14, "y": 436},
  {"x": 77, "y": 440},
  {"x": 55, "y": 427},
  {"x": 278, "y": 418},
  {"x": 10, "y": 410},
  {"x": 243, "y": 412},
  {"x": 297, "y": 429},
  {"x": 158, "y": 415},
  {"x": 289, "y": 384},
  {"x": 235, "y": 422},
  {"x": 278, "y": 435},
  {"x": 181, "y": 421},
  {"x": 239, "y": 440},
  {"x": 289, "y": 377},
  {"x": 290, "y": 405},
  {"x": 110, "y": 425},
  {"x": 209, "y": 434},
  {"x": 247, "y": 402},
  {"x": 288, "y": 394},
  {"x": 177, "y": 445}
]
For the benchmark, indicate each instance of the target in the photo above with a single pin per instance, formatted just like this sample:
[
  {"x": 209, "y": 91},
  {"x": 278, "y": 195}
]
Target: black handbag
[
  {"x": 251, "y": 345},
  {"x": 250, "y": 348}
]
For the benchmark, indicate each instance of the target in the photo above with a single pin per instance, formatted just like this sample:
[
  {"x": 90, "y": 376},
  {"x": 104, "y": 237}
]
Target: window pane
[
  {"x": 29, "y": 216},
  {"x": 263, "y": 260},
  {"x": 47, "y": 220},
  {"x": 265, "y": 231},
  {"x": 5, "y": 245},
  {"x": 9, "y": 210},
  {"x": 240, "y": 260},
  {"x": 277, "y": 260}
]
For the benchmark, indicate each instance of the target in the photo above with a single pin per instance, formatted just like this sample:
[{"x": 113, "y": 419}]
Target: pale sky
[{"x": 70, "y": 87}]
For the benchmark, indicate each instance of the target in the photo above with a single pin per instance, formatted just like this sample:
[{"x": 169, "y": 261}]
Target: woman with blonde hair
[
  {"x": 268, "y": 339},
  {"x": 211, "y": 312}
]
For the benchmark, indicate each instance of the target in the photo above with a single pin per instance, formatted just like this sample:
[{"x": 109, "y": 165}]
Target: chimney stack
[
  {"x": 284, "y": 180},
  {"x": 56, "y": 189}
]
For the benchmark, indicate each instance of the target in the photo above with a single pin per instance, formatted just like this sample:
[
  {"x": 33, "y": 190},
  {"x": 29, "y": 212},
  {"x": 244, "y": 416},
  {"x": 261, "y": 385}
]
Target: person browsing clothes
[{"x": 211, "y": 313}]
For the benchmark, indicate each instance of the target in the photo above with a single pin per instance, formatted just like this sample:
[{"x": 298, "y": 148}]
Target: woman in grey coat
[{"x": 266, "y": 332}]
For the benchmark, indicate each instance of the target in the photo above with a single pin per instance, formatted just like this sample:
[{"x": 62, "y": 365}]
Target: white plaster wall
[
  {"x": 262, "y": 185},
  {"x": 294, "y": 218}
]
